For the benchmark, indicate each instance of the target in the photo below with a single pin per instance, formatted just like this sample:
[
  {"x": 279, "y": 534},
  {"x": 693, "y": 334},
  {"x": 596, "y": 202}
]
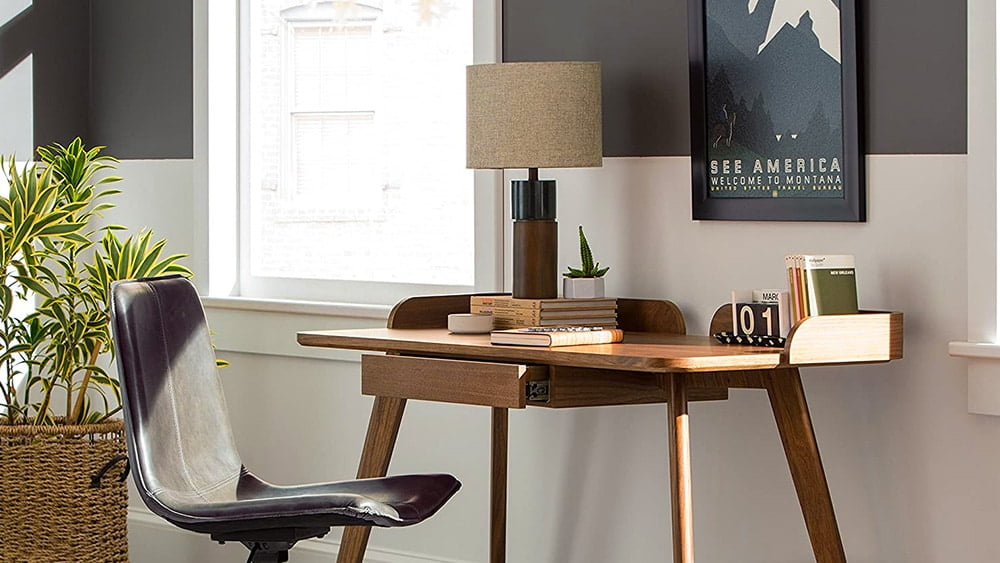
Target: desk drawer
[{"x": 450, "y": 381}]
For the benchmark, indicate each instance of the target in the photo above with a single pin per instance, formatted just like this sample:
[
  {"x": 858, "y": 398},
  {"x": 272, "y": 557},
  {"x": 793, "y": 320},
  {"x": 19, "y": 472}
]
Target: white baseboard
[{"x": 143, "y": 518}]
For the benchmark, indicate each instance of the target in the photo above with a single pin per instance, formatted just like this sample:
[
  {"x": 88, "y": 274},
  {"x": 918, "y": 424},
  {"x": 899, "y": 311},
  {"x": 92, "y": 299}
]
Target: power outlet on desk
[{"x": 537, "y": 391}]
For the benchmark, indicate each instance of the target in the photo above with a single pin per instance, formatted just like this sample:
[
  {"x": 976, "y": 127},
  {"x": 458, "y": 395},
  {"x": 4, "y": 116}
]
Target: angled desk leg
[
  {"x": 498, "y": 487},
  {"x": 383, "y": 427},
  {"x": 680, "y": 469},
  {"x": 791, "y": 413}
]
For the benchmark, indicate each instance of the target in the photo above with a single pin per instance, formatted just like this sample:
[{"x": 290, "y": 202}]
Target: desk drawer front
[{"x": 451, "y": 381}]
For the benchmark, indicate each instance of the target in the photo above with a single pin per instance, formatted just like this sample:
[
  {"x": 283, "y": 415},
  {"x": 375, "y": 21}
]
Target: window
[
  {"x": 330, "y": 129},
  {"x": 353, "y": 179}
]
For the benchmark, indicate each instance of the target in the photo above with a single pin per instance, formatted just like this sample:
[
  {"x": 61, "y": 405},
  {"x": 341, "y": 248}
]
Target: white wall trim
[
  {"x": 324, "y": 308},
  {"x": 982, "y": 212},
  {"x": 269, "y": 328},
  {"x": 981, "y": 350},
  {"x": 141, "y": 517}
]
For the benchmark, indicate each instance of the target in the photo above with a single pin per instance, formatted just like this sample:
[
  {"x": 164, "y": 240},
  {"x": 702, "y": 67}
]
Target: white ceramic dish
[{"x": 470, "y": 323}]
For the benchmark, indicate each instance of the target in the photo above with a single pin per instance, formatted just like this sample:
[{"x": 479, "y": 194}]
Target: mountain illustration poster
[{"x": 775, "y": 110}]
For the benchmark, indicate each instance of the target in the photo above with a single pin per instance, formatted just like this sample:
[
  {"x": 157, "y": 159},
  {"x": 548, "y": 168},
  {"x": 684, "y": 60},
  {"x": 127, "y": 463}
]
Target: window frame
[
  {"x": 233, "y": 279},
  {"x": 981, "y": 349}
]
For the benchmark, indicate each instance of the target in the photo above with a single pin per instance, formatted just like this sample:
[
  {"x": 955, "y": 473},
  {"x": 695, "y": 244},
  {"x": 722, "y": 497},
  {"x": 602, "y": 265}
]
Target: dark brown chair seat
[{"x": 181, "y": 448}]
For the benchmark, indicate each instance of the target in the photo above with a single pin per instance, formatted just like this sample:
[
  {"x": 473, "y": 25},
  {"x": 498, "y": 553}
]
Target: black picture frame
[{"x": 780, "y": 203}]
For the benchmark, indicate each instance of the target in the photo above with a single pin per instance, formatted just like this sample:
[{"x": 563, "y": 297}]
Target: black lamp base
[{"x": 536, "y": 238}]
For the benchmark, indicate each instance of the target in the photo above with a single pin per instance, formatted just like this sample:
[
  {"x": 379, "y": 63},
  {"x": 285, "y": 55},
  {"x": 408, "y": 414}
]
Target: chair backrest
[{"x": 180, "y": 443}]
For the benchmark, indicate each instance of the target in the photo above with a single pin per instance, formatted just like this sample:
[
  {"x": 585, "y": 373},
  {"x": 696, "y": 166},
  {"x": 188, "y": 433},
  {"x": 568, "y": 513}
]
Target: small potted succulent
[{"x": 587, "y": 281}]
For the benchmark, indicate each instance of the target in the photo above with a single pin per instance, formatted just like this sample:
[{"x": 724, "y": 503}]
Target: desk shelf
[{"x": 867, "y": 337}]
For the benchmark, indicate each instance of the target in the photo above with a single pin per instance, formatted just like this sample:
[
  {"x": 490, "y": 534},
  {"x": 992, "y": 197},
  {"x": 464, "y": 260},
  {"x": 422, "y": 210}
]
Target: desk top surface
[{"x": 639, "y": 351}]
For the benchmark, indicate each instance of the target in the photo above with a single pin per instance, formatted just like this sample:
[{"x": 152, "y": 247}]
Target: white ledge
[
  {"x": 268, "y": 326},
  {"x": 980, "y": 350},
  {"x": 984, "y": 377},
  {"x": 322, "y": 308}
]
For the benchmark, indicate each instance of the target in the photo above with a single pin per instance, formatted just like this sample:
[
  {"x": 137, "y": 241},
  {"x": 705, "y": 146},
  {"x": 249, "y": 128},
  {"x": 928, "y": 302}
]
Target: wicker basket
[{"x": 48, "y": 510}]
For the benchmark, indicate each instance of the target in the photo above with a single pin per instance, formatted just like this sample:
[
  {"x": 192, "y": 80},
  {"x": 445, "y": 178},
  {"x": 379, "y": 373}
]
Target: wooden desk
[{"x": 657, "y": 363}]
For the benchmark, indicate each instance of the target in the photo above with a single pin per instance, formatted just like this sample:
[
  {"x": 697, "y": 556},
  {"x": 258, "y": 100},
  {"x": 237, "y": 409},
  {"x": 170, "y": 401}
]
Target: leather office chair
[{"x": 181, "y": 449}]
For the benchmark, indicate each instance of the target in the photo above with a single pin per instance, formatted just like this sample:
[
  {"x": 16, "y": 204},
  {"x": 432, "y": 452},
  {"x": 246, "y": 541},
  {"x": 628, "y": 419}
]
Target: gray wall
[
  {"x": 56, "y": 33},
  {"x": 913, "y": 69},
  {"x": 134, "y": 93},
  {"x": 60, "y": 53},
  {"x": 114, "y": 72},
  {"x": 142, "y": 86}
]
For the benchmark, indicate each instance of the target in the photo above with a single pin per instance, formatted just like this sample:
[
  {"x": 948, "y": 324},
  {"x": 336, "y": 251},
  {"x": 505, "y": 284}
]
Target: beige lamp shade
[{"x": 534, "y": 115}]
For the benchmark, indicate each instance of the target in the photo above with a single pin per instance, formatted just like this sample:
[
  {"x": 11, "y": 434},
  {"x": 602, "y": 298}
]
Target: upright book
[
  {"x": 831, "y": 284},
  {"x": 796, "y": 287},
  {"x": 563, "y": 336}
]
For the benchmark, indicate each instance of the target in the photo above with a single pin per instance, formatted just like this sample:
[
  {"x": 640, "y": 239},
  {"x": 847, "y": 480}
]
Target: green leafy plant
[
  {"x": 588, "y": 268},
  {"x": 52, "y": 254}
]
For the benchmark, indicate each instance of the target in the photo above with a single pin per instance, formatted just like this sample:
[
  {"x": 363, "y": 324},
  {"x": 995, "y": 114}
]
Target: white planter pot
[{"x": 583, "y": 288}]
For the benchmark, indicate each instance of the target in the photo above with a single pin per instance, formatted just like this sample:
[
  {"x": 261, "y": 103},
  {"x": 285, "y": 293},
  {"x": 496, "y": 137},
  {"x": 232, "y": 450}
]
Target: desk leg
[
  {"x": 680, "y": 469},
  {"x": 383, "y": 427},
  {"x": 791, "y": 413},
  {"x": 498, "y": 487}
]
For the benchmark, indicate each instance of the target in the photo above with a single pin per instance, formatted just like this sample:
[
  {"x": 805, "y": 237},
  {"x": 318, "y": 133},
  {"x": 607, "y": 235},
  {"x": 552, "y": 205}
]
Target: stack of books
[
  {"x": 822, "y": 284},
  {"x": 509, "y": 312}
]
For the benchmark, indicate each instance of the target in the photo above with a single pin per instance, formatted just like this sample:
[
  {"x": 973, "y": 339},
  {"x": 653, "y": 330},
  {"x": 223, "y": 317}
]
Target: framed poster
[{"x": 775, "y": 134}]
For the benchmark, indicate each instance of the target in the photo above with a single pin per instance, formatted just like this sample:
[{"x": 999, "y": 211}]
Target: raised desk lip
[{"x": 639, "y": 352}]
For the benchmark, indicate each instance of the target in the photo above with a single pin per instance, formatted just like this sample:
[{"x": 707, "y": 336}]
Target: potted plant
[
  {"x": 588, "y": 280},
  {"x": 58, "y": 401}
]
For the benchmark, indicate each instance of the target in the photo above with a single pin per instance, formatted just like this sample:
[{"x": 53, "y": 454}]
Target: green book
[{"x": 831, "y": 284}]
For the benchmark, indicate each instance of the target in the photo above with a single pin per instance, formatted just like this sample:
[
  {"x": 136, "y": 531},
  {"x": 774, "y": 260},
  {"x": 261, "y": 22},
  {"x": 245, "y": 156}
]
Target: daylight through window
[{"x": 355, "y": 114}]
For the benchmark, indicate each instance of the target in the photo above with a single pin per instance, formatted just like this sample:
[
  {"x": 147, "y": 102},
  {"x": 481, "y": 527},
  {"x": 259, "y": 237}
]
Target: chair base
[
  {"x": 272, "y": 545},
  {"x": 268, "y": 552}
]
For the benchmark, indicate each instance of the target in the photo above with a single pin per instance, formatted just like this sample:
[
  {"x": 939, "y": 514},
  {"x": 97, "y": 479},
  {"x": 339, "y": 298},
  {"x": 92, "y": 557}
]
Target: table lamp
[{"x": 534, "y": 115}]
